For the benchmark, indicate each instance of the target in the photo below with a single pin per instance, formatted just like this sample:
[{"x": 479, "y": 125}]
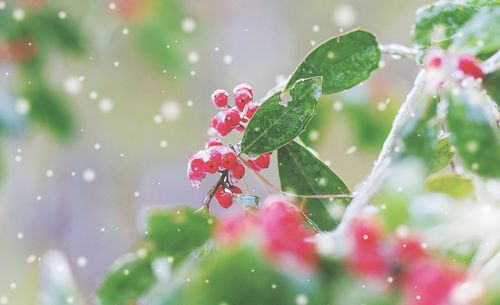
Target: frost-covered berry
[
  {"x": 220, "y": 98},
  {"x": 243, "y": 86},
  {"x": 213, "y": 141},
  {"x": 250, "y": 109},
  {"x": 218, "y": 123},
  {"x": 469, "y": 66},
  {"x": 241, "y": 98},
  {"x": 232, "y": 117},
  {"x": 228, "y": 160},
  {"x": 224, "y": 197},
  {"x": 238, "y": 171}
]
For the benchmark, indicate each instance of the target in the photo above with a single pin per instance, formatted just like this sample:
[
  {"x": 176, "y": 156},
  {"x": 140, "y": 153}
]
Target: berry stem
[{"x": 205, "y": 206}]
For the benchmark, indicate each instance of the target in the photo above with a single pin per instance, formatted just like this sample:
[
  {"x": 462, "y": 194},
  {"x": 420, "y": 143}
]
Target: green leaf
[
  {"x": 278, "y": 122},
  {"x": 481, "y": 33},
  {"x": 451, "y": 184},
  {"x": 242, "y": 276},
  {"x": 343, "y": 61},
  {"x": 437, "y": 23},
  {"x": 302, "y": 173},
  {"x": 491, "y": 82},
  {"x": 420, "y": 138},
  {"x": 474, "y": 132},
  {"x": 176, "y": 232},
  {"x": 129, "y": 278},
  {"x": 49, "y": 109},
  {"x": 443, "y": 155},
  {"x": 64, "y": 33}
]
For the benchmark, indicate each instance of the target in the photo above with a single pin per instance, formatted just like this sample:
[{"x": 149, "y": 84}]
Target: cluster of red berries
[
  {"x": 235, "y": 117},
  {"x": 424, "y": 280},
  {"x": 466, "y": 64},
  {"x": 278, "y": 228},
  {"x": 223, "y": 159}
]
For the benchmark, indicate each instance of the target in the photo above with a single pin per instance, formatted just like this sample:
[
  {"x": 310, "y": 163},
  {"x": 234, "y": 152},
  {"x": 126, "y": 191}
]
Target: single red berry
[
  {"x": 435, "y": 62},
  {"x": 210, "y": 167},
  {"x": 253, "y": 165},
  {"x": 225, "y": 199},
  {"x": 213, "y": 141},
  {"x": 219, "y": 98},
  {"x": 196, "y": 165},
  {"x": 241, "y": 98},
  {"x": 469, "y": 66},
  {"x": 238, "y": 171},
  {"x": 243, "y": 86},
  {"x": 228, "y": 160},
  {"x": 262, "y": 161},
  {"x": 408, "y": 250},
  {"x": 239, "y": 128},
  {"x": 232, "y": 117},
  {"x": 236, "y": 190},
  {"x": 251, "y": 108}
]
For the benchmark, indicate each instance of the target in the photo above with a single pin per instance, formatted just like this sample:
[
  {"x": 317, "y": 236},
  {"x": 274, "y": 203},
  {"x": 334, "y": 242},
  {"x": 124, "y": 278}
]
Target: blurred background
[{"x": 130, "y": 82}]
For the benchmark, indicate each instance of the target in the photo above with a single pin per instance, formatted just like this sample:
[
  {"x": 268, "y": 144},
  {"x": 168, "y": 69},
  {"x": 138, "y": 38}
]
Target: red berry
[
  {"x": 262, "y": 161},
  {"x": 435, "y": 62},
  {"x": 219, "y": 98},
  {"x": 196, "y": 178},
  {"x": 366, "y": 233},
  {"x": 239, "y": 128},
  {"x": 430, "y": 283},
  {"x": 228, "y": 160},
  {"x": 368, "y": 263},
  {"x": 243, "y": 86},
  {"x": 238, "y": 171},
  {"x": 232, "y": 117},
  {"x": 236, "y": 190},
  {"x": 196, "y": 165},
  {"x": 224, "y": 198},
  {"x": 211, "y": 142},
  {"x": 469, "y": 66},
  {"x": 241, "y": 98},
  {"x": 251, "y": 108},
  {"x": 408, "y": 250},
  {"x": 210, "y": 167}
]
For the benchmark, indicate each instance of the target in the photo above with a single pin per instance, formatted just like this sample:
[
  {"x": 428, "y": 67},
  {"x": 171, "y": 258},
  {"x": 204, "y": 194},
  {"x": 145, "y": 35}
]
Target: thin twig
[
  {"x": 205, "y": 205},
  {"x": 394, "y": 49},
  {"x": 380, "y": 169}
]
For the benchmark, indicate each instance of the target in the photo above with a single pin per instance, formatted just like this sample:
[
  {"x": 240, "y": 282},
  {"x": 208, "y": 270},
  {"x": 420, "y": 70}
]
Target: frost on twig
[
  {"x": 398, "y": 51},
  {"x": 380, "y": 170}
]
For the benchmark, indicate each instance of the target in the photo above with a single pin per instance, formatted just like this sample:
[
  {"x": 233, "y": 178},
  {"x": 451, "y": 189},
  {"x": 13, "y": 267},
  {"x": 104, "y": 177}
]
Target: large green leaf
[
  {"x": 437, "y": 23},
  {"x": 481, "y": 33},
  {"x": 242, "y": 276},
  {"x": 278, "y": 121},
  {"x": 301, "y": 172},
  {"x": 474, "y": 132},
  {"x": 129, "y": 278},
  {"x": 177, "y": 232},
  {"x": 343, "y": 61}
]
